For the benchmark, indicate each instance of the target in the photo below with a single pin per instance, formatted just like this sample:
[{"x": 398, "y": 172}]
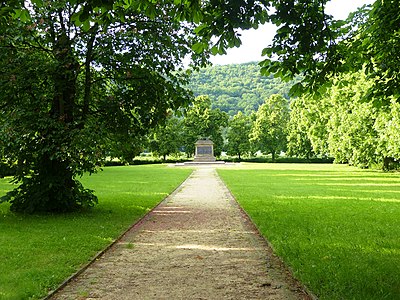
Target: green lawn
[
  {"x": 337, "y": 227},
  {"x": 37, "y": 253}
]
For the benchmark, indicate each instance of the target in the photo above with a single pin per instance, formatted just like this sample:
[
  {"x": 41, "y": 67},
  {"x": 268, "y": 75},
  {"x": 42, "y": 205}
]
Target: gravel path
[{"x": 196, "y": 245}]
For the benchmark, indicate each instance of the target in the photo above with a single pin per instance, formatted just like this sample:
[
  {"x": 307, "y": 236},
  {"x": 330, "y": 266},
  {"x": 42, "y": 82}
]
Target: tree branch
[{"x": 88, "y": 72}]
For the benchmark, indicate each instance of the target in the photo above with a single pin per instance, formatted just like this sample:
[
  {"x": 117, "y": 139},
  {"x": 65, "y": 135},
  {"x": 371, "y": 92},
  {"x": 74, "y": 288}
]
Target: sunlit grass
[
  {"x": 337, "y": 227},
  {"x": 39, "y": 252}
]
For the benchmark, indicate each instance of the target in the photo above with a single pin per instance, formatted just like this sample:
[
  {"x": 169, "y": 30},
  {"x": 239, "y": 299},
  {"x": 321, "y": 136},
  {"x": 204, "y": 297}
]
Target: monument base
[
  {"x": 201, "y": 163},
  {"x": 204, "y": 159}
]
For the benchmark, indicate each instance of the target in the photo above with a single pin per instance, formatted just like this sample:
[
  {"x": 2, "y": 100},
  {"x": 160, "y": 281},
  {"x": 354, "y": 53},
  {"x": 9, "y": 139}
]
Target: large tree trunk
[
  {"x": 52, "y": 186},
  {"x": 55, "y": 167},
  {"x": 64, "y": 81},
  {"x": 387, "y": 161}
]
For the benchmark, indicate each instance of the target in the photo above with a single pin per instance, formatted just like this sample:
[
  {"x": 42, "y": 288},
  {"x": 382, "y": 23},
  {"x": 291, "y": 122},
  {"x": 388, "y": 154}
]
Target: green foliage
[
  {"x": 376, "y": 43},
  {"x": 221, "y": 18},
  {"x": 202, "y": 121},
  {"x": 38, "y": 252},
  {"x": 269, "y": 130},
  {"x": 337, "y": 227},
  {"x": 239, "y": 128},
  {"x": 33, "y": 196},
  {"x": 167, "y": 138},
  {"x": 310, "y": 42},
  {"x": 387, "y": 126},
  {"x": 237, "y": 87},
  {"x": 299, "y": 142},
  {"x": 96, "y": 76},
  {"x": 351, "y": 136},
  {"x": 343, "y": 125},
  {"x": 305, "y": 39}
]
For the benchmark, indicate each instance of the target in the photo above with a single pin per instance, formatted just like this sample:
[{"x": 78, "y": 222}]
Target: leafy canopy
[
  {"x": 95, "y": 76},
  {"x": 310, "y": 42},
  {"x": 202, "y": 121},
  {"x": 269, "y": 130}
]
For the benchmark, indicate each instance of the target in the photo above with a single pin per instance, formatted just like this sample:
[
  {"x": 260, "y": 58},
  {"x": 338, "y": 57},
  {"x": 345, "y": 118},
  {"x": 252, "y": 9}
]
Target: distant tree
[
  {"x": 299, "y": 143},
  {"x": 201, "y": 121},
  {"x": 351, "y": 135},
  {"x": 166, "y": 139},
  {"x": 250, "y": 102},
  {"x": 387, "y": 125},
  {"x": 269, "y": 130},
  {"x": 126, "y": 149},
  {"x": 239, "y": 128}
]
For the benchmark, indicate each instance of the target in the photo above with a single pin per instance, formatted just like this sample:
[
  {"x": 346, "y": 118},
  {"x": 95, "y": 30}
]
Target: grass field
[
  {"x": 337, "y": 227},
  {"x": 37, "y": 252}
]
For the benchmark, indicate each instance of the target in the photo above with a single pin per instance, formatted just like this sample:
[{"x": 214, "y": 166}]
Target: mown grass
[
  {"x": 337, "y": 227},
  {"x": 38, "y": 252}
]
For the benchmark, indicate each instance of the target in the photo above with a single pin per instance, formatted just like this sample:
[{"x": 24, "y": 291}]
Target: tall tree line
[
  {"x": 342, "y": 124},
  {"x": 240, "y": 135}
]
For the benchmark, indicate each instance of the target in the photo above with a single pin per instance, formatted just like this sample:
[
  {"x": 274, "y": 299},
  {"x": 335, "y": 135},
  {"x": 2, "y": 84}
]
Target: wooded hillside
[{"x": 237, "y": 87}]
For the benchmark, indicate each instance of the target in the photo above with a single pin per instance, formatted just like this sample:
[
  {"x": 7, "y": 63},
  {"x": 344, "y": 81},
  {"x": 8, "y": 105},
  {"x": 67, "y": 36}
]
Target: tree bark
[
  {"x": 54, "y": 169},
  {"x": 64, "y": 81},
  {"x": 88, "y": 72}
]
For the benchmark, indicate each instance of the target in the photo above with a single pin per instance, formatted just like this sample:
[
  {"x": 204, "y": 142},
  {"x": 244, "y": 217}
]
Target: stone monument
[{"x": 204, "y": 151}]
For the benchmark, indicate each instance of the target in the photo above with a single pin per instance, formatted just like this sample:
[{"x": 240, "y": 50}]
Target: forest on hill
[{"x": 237, "y": 87}]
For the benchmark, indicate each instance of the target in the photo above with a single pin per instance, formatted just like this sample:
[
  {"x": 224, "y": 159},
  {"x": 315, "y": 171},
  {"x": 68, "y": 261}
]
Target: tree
[
  {"x": 310, "y": 42},
  {"x": 166, "y": 139},
  {"x": 387, "y": 126},
  {"x": 341, "y": 124},
  {"x": 238, "y": 142},
  {"x": 351, "y": 136},
  {"x": 201, "y": 121},
  {"x": 126, "y": 149},
  {"x": 270, "y": 127},
  {"x": 374, "y": 45},
  {"x": 93, "y": 73},
  {"x": 299, "y": 143}
]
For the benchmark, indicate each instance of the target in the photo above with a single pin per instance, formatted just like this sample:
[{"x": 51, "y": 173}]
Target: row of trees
[
  {"x": 342, "y": 124},
  {"x": 349, "y": 104},
  {"x": 239, "y": 135}
]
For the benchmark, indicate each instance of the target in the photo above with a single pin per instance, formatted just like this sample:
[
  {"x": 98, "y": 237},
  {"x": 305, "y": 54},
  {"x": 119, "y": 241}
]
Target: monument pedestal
[
  {"x": 204, "y": 154},
  {"x": 204, "y": 151}
]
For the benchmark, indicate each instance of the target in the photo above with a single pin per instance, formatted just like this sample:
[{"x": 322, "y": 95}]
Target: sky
[{"x": 253, "y": 41}]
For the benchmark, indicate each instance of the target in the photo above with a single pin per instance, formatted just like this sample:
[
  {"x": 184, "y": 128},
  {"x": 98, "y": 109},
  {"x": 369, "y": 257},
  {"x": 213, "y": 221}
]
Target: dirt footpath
[{"x": 195, "y": 245}]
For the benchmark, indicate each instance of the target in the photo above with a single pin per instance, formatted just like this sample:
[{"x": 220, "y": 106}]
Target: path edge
[
  {"x": 119, "y": 238},
  {"x": 287, "y": 271}
]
